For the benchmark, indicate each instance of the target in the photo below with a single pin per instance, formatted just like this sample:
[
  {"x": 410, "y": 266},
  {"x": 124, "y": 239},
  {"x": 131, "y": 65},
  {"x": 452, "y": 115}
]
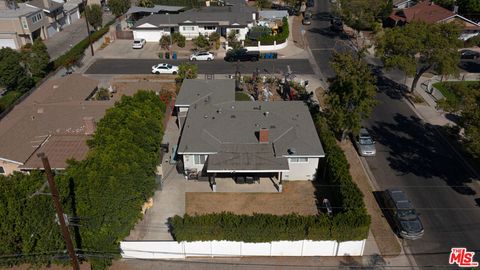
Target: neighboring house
[
  {"x": 57, "y": 119},
  {"x": 20, "y": 24},
  {"x": 194, "y": 22},
  {"x": 54, "y": 12},
  {"x": 72, "y": 10},
  {"x": 271, "y": 19},
  {"x": 224, "y": 138},
  {"x": 400, "y": 4},
  {"x": 136, "y": 13},
  {"x": 428, "y": 11}
]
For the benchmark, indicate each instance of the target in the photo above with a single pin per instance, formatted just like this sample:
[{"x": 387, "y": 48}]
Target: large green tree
[
  {"x": 28, "y": 224},
  {"x": 362, "y": 14},
  {"x": 351, "y": 96},
  {"x": 418, "y": 47},
  {"x": 186, "y": 71},
  {"x": 466, "y": 103},
  {"x": 469, "y": 8},
  {"x": 145, "y": 3},
  {"x": 119, "y": 7},
  {"x": 94, "y": 15},
  {"x": 13, "y": 75},
  {"x": 37, "y": 59}
]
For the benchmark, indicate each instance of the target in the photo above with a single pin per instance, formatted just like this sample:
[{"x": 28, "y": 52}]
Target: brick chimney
[
  {"x": 90, "y": 125},
  {"x": 263, "y": 135}
]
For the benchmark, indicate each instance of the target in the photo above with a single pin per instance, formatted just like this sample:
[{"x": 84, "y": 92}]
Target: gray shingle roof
[
  {"x": 217, "y": 91},
  {"x": 208, "y": 127},
  {"x": 221, "y": 15},
  {"x": 155, "y": 9},
  {"x": 21, "y": 10}
]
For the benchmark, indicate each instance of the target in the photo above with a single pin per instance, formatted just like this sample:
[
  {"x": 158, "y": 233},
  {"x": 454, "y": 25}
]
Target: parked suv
[
  {"x": 400, "y": 210},
  {"x": 242, "y": 55}
]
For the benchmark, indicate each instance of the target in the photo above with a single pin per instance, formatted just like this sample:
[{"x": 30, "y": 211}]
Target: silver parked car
[{"x": 365, "y": 144}]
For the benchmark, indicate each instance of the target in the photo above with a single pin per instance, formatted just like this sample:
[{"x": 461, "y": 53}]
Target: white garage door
[
  {"x": 74, "y": 16},
  {"x": 7, "y": 43},
  {"x": 149, "y": 35}
]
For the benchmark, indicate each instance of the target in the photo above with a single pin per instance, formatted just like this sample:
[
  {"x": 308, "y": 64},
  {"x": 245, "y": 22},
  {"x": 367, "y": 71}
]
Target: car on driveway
[
  {"x": 164, "y": 69},
  {"x": 365, "y": 144},
  {"x": 307, "y": 18},
  {"x": 400, "y": 210},
  {"x": 138, "y": 43},
  {"x": 241, "y": 55},
  {"x": 469, "y": 55},
  {"x": 202, "y": 56}
]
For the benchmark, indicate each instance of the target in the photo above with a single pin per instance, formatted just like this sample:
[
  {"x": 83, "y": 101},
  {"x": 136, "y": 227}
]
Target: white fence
[
  {"x": 263, "y": 48},
  {"x": 176, "y": 250}
]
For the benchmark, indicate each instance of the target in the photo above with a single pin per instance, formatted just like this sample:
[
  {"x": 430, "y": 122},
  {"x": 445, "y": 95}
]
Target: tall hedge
[{"x": 118, "y": 175}]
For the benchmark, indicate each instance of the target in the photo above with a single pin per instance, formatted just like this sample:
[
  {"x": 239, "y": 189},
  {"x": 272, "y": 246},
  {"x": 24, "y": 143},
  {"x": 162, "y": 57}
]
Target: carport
[{"x": 245, "y": 163}]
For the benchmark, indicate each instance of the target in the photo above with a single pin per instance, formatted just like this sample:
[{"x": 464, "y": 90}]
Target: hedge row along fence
[
  {"x": 350, "y": 221},
  {"x": 118, "y": 175},
  {"x": 77, "y": 51}
]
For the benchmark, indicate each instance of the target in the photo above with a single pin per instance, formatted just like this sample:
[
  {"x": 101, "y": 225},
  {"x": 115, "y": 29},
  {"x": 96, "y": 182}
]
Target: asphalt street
[
  {"x": 413, "y": 156},
  {"x": 143, "y": 66}
]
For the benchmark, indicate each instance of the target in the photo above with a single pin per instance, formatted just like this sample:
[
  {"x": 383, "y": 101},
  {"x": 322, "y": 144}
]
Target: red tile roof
[{"x": 425, "y": 11}]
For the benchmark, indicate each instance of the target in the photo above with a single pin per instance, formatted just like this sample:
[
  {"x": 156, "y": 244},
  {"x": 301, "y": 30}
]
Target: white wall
[
  {"x": 302, "y": 171},
  {"x": 189, "y": 163},
  {"x": 153, "y": 35},
  {"x": 189, "y": 34},
  {"x": 175, "y": 250},
  {"x": 267, "y": 48},
  {"x": 242, "y": 32}
]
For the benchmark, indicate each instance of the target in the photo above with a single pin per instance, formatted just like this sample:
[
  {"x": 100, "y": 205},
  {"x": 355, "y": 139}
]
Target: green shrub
[
  {"x": 179, "y": 39},
  {"x": 280, "y": 37}
]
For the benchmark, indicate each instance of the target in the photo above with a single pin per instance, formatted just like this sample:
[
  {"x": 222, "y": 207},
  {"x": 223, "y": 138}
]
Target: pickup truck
[{"x": 242, "y": 55}]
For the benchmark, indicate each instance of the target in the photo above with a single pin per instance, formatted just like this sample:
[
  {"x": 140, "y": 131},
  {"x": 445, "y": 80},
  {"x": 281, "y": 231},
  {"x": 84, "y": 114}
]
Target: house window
[
  {"x": 37, "y": 18},
  {"x": 24, "y": 23},
  {"x": 209, "y": 27},
  {"x": 2, "y": 171},
  {"x": 188, "y": 28},
  {"x": 299, "y": 160},
  {"x": 199, "y": 159}
]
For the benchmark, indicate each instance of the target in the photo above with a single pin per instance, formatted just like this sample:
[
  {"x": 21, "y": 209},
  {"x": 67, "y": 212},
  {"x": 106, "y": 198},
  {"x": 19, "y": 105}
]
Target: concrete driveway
[
  {"x": 122, "y": 48},
  {"x": 71, "y": 34}
]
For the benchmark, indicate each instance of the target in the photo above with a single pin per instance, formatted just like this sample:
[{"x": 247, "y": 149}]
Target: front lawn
[
  {"x": 241, "y": 96},
  {"x": 450, "y": 89}
]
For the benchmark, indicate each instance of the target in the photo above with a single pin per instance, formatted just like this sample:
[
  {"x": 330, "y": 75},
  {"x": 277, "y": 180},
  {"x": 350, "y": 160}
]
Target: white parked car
[
  {"x": 164, "y": 69},
  {"x": 202, "y": 56},
  {"x": 138, "y": 43}
]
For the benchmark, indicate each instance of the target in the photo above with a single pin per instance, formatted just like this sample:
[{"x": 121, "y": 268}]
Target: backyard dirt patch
[
  {"x": 297, "y": 197},
  {"x": 130, "y": 88},
  {"x": 384, "y": 236}
]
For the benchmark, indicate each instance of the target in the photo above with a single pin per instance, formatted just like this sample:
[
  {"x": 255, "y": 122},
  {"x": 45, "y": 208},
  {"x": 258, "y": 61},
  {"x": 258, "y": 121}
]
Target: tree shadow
[
  {"x": 380, "y": 198},
  {"x": 424, "y": 155},
  {"x": 388, "y": 86}
]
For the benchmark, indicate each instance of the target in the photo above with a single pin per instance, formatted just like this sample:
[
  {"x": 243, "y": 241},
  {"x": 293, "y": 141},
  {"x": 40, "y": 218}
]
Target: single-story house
[
  {"x": 429, "y": 12},
  {"x": 136, "y": 13},
  {"x": 56, "y": 119},
  {"x": 222, "y": 137},
  {"x": 195, "y": 22}
]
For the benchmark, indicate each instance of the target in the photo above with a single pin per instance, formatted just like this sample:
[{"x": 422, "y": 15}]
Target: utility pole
[
  {"x": 88, "y": 27},
  {"x": 59, "y": 210}
]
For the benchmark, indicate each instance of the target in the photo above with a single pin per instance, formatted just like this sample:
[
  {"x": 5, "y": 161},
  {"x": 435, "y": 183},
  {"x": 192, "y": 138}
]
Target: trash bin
[
  {"x": 167, "y": 55},
  {"x": 174, "y": 56},
  {"x": 160, "y": 55},
  {"x": 275, "y": 55}
]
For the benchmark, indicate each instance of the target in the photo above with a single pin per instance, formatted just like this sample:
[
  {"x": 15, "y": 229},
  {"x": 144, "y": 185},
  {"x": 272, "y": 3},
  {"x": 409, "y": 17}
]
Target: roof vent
[
  {"x": 233, "y": 107},
  {"x": 291, "y": 151},
  {"x": 266, "y": 113},
  {"x": 272, "y": 126},
  {"x": 55, "y": 86},
  {"x": 40, "y": 110},
  {"x": 205, "y": 116},
  {"x": 219, "y": 111},
  {"x": 233, "y": 116}
]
